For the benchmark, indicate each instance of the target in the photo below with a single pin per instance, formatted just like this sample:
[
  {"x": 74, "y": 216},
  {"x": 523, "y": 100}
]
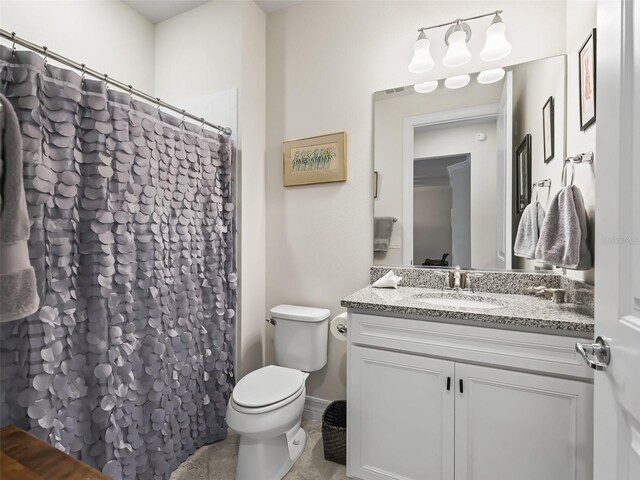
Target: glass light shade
[
  {"x": 458, "y": 54},
  {"x": 491, "y": 76},
  {"x": 426, "y": 87},
  {"x": 422, "y": 61},
  {"x": 458, "y": 81},
  {"x": 496, "y": 46}
]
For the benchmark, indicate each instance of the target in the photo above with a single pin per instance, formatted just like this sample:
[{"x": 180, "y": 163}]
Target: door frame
[{"x": 481, "y": 112}]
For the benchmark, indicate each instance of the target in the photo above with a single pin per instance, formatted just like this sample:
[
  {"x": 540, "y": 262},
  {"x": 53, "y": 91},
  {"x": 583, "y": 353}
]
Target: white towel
[
  {"x": 382, "y": 229},
  {"x": 529, "y": 230},
  {"x": 389, "y": 280},
  {"x": 564, "y": 234}
]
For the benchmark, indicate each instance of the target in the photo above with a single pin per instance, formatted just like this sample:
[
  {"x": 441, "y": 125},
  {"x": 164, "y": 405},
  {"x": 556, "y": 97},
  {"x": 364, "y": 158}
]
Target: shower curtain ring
[
  {"x": 82, "y": 78},
  {"x": 182, "y": 119},
  {"x": 13, "y": 45},
  {"x": 46, "y": 54},
  {"x": 158, "y": 104},
  {"x": 202, "y": 124}
]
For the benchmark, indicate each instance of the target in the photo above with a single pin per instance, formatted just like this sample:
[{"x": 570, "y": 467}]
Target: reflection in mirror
[{"x": 455, "y": 167}]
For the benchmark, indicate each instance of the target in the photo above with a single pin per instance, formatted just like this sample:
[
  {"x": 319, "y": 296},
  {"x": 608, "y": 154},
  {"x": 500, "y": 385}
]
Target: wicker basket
[{"x": 334, "y": 432}]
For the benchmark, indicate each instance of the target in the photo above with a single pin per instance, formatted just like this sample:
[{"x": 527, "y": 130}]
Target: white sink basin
[{"x": 458, "y": 300}]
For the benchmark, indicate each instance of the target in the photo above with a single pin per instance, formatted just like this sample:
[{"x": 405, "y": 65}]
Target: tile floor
[{"x": 218, "y": 461}]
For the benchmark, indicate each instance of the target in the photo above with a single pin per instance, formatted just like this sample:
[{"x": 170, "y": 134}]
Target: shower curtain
[{"x": 128, "y": 365}]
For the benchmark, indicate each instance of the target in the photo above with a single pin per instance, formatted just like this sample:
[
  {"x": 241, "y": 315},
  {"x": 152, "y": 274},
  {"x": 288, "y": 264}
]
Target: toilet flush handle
[{"x": 271, "y": 321}]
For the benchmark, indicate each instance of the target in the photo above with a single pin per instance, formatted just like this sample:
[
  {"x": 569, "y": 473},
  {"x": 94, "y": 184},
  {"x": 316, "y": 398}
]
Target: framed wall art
[
  {"x": 587, "y": 69},
  {"x": 548, "y": 130},
  {"x": 312, "y": 160},
  {"x": 522, "y": 191}
]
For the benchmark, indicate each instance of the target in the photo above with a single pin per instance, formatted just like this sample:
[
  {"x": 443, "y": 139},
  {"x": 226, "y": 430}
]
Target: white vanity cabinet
[{"x": 432, "y": 400}]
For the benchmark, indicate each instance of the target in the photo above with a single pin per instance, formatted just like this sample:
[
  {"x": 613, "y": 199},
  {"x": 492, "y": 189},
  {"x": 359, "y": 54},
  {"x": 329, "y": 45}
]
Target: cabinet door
[
  {"x": 512, "y": 425},
  {"x": 400, "y": 420}
]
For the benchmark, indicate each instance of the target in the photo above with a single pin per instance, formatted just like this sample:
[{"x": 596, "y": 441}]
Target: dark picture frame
[
  {"x": 587, "y": 79},
  {"x": 548, "y": 130},
  {"x": 522, "y": 192}
]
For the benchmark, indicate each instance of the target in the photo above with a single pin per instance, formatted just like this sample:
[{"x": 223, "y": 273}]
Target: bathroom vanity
[{"x": 439, "y": 388}]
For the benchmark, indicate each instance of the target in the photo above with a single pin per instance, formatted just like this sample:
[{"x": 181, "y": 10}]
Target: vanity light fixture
[
  {"x": 496, "y": 46},
  {"x": 457, "y": 37},
  {"x": 422, "y": 61},
  {"x": 491, "y": 76},
  {"x": 458, "y": 81},
  {"x": 426, "y": 87}
]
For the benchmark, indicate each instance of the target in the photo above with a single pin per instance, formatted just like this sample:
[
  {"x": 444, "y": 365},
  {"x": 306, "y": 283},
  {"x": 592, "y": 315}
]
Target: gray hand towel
[
  {"x": 564, "y": 233},
  {"x": 18, "y": 293},
  {"x": 529, "y": 231},
  {"x": 382, "y": 228}
]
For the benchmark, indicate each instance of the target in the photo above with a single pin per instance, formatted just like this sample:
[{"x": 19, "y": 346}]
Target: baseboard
[{"x": 314, "y": 408}]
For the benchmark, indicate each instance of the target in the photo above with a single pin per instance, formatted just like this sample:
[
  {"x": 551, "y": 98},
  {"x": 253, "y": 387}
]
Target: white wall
[
  {"x": 457, "y": 139},
  {"x": 106, "y": 35},
  {"x": 431, "y": 222},
  {"x": 325, "y": 61},
  {"x": 214, "y": 48},
  {"x": 581, "y": 19}
]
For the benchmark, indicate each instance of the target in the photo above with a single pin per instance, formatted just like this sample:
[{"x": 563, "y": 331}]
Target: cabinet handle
[
  {"x": 461, "y": 387},
  {"x": 448, "y": 383}
]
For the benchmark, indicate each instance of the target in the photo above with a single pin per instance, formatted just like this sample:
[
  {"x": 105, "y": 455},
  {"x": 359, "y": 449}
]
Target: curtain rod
[{"x": 105, "y": 78}]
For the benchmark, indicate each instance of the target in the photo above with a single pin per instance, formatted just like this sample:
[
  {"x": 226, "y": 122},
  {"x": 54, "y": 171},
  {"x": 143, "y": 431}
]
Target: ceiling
[
  {"x": 271, "y": 6},
  {"x": 157, "y": 11}
]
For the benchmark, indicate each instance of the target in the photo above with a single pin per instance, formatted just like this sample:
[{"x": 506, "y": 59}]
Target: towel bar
[{"x": 586, "y": 157}]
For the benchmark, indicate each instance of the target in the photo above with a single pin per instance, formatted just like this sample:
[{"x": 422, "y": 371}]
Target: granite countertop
[{"x": 511, "y": 311}]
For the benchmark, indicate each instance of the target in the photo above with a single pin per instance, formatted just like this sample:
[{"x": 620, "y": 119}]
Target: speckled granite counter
[{"x": 510, "y": 311}]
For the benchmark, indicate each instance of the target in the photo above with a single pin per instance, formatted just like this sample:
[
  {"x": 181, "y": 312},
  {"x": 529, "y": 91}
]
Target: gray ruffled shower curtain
[{"x": 128, "y": 365}]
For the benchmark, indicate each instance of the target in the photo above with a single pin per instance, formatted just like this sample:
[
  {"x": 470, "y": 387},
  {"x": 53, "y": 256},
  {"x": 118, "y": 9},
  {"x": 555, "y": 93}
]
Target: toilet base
[{"x": 270, "y": 459}]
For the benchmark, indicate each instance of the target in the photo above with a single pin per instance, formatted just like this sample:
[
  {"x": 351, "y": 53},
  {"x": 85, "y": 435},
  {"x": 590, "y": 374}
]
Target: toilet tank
[{"x": 300, "y": 336}]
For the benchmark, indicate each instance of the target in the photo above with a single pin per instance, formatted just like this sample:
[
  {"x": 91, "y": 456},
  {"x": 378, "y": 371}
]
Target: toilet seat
[{"x": 267, "y": 388}]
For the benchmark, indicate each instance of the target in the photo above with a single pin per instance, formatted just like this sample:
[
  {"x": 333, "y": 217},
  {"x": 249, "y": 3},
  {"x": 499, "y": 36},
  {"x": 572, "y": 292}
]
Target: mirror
[{"x": 454, "y": 168}]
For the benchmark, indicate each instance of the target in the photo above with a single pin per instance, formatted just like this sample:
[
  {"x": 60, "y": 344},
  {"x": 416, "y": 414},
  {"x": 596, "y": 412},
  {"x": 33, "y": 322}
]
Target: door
[
  {"x": 504, "y": 193},
  {"x": 400, "y": 416},
  {"x": 460, "y": 181},
  {"x": 514, "y": 425},
  {"x": 617, "y": 387}
]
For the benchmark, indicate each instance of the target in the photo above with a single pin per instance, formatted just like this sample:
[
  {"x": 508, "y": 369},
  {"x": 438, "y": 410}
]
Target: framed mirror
[{"x": 454, "y": 168}]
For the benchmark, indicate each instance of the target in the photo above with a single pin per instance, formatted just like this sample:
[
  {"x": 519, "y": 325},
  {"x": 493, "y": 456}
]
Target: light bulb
[
  {"x": 491, "y": 76},
  {"x": 457, "y": 54},
  {"x": 458, "y": 81},
  {"x": 496, "y": 46},
  {"x": 422, "y": 61},
  {"x": 426, "y": 87}
]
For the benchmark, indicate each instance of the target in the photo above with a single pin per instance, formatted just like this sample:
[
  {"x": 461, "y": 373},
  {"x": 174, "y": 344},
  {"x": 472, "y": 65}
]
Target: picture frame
[
  {"x": 548, "y": 130},
  {"x": 522, "y": 191},
  {"x": 320, "y": 159},
  {"x": 587, "y": 79}
]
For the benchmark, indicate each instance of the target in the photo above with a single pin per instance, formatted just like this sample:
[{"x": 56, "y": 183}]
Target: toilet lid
[{"x": 267, "y": 385}]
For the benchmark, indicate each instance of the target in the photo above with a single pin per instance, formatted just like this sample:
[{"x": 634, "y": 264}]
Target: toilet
[{"x": 266, "y": 405}]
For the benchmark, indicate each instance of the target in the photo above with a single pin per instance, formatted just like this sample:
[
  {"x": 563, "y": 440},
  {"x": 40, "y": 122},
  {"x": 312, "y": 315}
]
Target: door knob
[{"x": 600, "y": 350}]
